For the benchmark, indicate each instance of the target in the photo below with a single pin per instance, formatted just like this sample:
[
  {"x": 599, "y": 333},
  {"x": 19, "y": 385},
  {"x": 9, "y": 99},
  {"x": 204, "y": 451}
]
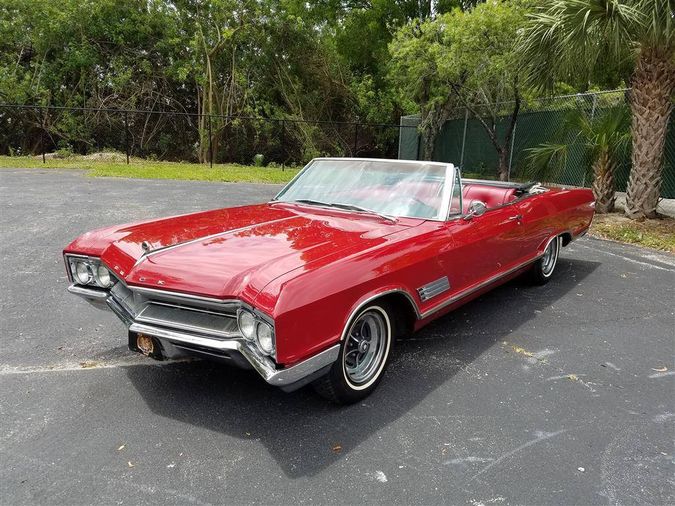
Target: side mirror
[{"x": 477, "y": 208}]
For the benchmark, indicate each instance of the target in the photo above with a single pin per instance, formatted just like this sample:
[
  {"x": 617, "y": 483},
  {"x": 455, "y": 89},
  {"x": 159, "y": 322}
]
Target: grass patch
[
  {"x": 657, "y": 234},
  {"x": 114, "y": 165}
]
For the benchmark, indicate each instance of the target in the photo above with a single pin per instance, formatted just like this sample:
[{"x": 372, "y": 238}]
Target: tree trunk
[
  {"x": 603, "y": 183},
  {"x": 651, "y": 104},
  {"x": 431, "y": 126},
  {"x": 503, "y": 167},
  {"x": 428, "y": 143}
]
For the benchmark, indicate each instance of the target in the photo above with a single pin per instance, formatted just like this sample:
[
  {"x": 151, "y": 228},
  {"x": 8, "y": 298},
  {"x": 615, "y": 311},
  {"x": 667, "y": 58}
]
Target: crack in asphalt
[{"x": 87, "y": 365}]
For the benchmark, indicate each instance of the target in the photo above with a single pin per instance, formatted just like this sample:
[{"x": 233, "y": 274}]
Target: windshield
[{"x": 391, "y": 188}]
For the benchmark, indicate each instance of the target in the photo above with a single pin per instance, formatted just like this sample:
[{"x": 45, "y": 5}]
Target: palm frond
[
  {"x": 546, "y": 162},
  {"x": 611, "y": 130},
  {"x": 566, "y": 37},
  {"x": 658, "y": 20}
]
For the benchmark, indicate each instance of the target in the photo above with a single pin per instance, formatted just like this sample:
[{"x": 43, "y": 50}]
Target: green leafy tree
[
  {"x": 468, "y": 59},
  {"x": 567, "y": 37}
]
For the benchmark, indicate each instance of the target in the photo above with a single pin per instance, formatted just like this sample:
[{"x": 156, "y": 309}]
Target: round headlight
[
  {"x": 103, "y": 276},
  {"x": 82, "y": 273},
  {"x": 265, "y": 337},
  {"x": 246, "y": 322}
]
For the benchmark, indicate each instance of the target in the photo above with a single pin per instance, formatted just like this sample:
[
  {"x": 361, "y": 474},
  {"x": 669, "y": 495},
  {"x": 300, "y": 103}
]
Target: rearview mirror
[{"x": 477, "y": 208}]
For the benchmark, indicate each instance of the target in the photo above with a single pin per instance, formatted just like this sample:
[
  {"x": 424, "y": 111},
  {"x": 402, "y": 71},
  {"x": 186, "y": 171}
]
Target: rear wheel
[
  {"x": 542, "y": 270},
  {"x": 363, "y": 358}
]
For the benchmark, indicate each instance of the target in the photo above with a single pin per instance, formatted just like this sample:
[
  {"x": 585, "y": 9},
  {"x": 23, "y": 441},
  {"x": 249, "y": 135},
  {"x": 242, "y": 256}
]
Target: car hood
[{"x": 233, "y": 252}]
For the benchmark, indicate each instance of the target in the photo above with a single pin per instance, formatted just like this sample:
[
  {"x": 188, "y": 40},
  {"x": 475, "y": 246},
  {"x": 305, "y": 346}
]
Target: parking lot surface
[{"x": 559, "y": 394}]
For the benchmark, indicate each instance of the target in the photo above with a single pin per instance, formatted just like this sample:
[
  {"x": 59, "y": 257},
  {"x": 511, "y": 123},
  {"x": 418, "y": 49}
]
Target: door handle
[{"x": 516, "y": 217}]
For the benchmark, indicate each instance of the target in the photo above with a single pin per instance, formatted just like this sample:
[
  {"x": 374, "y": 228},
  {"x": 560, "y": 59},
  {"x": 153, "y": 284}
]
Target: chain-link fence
[
  {"x": 464, "y": 141},
  {"x": 182, "y": 136}
]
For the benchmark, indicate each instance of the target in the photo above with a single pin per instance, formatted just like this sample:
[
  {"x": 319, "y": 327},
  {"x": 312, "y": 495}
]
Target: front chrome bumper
[{"x": 177, "y": 341}]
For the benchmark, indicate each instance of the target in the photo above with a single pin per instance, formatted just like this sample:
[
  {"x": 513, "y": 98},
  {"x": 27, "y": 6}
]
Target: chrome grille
[
  {"x": 191, "y": 319},
  {"x": 172, "y": 311}
]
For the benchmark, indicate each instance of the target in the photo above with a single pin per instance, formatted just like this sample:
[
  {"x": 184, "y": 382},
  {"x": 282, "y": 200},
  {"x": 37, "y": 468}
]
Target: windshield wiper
[
  {"x": 352, "y": 207},
  {"x": 347, "y": 207},
  {"x": 312, "y": 202}
]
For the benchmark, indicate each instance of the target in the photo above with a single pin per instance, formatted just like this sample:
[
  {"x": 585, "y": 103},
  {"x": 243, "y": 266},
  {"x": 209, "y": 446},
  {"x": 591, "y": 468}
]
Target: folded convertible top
[{"x": 520, "y": 187}]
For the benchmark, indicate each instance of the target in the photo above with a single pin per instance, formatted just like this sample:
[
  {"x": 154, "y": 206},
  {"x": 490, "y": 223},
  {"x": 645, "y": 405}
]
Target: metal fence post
[
  {"x": 419, "y": 142},
  {"x": 356, "y": 138},
  {"x": 283, "y": 145},
  {"x": 461, "y": 156},
  {"x": 126, "y": 134},
  {"x": 210, "y": 144},
  {"x": 43, "y": 118},
  {"x": 513, "y": 139}
]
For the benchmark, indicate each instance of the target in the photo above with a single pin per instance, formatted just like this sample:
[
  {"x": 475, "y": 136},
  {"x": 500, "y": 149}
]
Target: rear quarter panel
[{"x": 558, "y": 211}]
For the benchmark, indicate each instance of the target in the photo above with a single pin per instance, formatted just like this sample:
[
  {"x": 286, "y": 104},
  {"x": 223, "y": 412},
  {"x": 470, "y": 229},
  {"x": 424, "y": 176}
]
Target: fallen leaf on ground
[
  {"x": 121, "y": 448},
  {"x": 130, "y": 464},
  {"x": 520, "y": 350},
  {"x": 337, "y": 448}
]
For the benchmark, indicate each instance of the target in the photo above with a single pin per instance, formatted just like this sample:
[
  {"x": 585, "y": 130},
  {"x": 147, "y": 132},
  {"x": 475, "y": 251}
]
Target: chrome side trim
[
  {"x": 468, "y": 291},
  {"x": 262, "y": 364},
  {"x": 464, "y": 293},
  {"x": 434, "y": 288},
  {"x": 372, "y": 298},
  {"x": 91, "y": 294}
]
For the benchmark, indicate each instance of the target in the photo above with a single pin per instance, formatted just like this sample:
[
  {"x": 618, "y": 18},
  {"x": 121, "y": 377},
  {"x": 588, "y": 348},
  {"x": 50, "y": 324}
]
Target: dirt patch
[
  {"x": 107, "y": 156},
  {"x": 657, "y": 233},
  {"x": 51, "y": 156}
]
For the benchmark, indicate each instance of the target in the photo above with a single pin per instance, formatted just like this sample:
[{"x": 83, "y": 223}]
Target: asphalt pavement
[{"x": 561, "y": 394}]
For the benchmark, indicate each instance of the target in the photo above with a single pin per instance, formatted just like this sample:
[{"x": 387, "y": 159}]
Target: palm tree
[
  {"x": 568, "y": 37},
  {"x": 604, "y": 139}
]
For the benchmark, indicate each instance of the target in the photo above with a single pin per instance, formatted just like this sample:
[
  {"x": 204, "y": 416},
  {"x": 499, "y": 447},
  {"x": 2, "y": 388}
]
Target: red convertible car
[{"x": 315, "y": 285}]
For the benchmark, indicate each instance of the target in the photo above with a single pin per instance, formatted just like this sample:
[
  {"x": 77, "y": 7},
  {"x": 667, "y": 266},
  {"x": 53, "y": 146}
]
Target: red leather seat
[{"x": 491, "y": 196}]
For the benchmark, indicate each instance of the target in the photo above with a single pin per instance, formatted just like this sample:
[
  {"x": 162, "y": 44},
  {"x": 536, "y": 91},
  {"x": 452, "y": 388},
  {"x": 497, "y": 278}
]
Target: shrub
[{"x": 259, "y": 160}]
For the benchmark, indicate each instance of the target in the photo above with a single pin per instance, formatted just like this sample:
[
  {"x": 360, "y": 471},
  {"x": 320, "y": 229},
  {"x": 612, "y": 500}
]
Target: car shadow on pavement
[{"x": 303, "y": 432}]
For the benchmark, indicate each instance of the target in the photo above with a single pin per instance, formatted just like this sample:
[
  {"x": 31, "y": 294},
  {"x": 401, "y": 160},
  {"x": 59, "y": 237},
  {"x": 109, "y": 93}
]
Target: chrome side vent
[{"x": 434, "y": 288}]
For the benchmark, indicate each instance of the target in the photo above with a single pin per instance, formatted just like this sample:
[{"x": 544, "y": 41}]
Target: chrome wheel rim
[
  {"x": 550, "y": 257},
  {"x": 365, "y": 347}
]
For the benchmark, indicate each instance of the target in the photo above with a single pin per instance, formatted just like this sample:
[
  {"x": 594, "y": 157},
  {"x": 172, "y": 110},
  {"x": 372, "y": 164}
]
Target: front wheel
[
  {"x": 542, "y": 270},
  {"x": 363, "y": 358}
]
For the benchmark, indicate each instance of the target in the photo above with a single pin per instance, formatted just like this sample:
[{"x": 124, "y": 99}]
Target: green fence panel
[
  {"x": 409, "y": 138},
  {"x": 449, "y": 144},
  {"x": 466, "y": 142}
]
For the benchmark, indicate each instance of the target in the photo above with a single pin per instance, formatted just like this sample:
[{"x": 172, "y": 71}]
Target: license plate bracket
[{"x": 146, "y": 345}]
